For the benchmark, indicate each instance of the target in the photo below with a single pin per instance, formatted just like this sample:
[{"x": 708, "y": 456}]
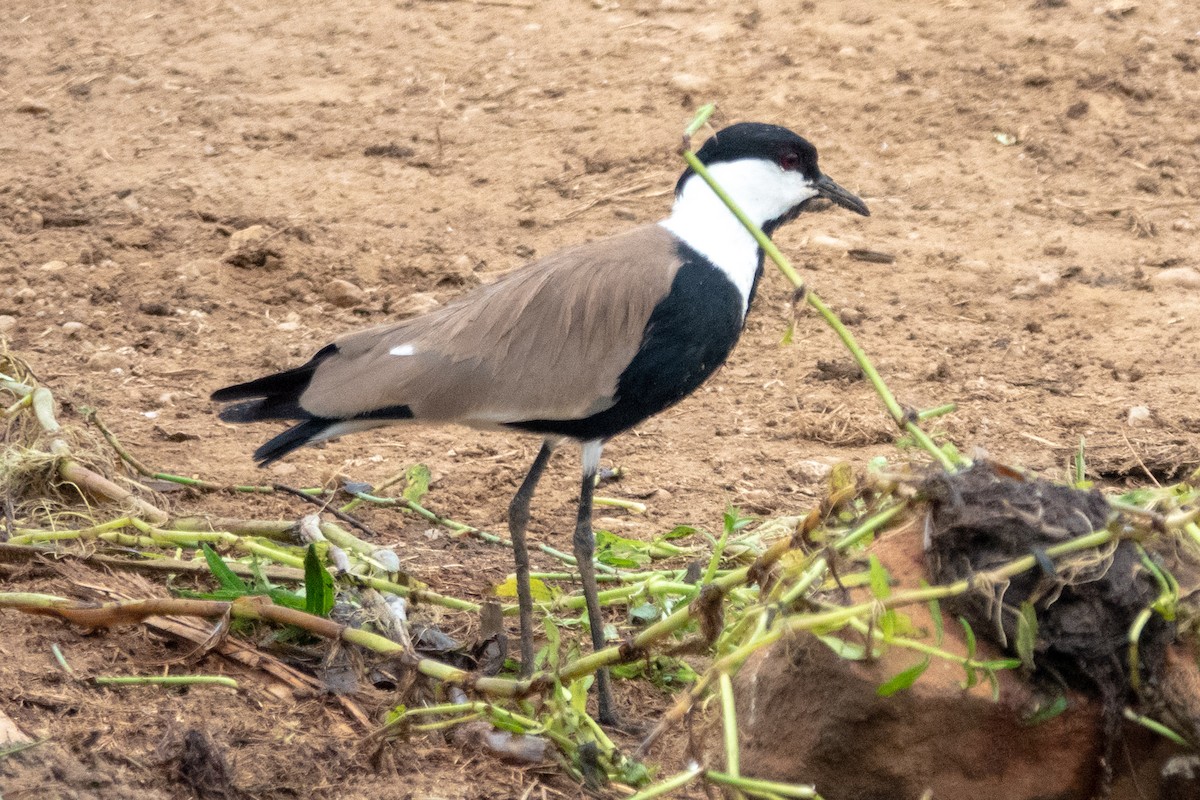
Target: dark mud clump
[{"x": 1085, "y": 603}]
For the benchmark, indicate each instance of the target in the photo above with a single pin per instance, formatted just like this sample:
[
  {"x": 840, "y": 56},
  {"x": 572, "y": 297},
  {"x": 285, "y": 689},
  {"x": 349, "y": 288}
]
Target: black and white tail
[{"x": 278, "y": 397}]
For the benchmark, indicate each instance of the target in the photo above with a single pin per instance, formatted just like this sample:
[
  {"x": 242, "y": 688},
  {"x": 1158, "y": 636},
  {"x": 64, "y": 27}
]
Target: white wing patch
[{"x": 402, "y": 350}]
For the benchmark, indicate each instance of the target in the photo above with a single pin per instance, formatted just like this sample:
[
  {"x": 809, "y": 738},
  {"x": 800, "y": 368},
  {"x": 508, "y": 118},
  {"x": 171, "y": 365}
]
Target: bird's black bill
[{"x": 828, "y": 188}]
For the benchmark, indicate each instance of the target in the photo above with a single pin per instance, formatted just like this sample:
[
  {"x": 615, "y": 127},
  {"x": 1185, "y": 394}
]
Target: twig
[
  {"x": 324, "y": 505},
  {"x": 905, "y": 420}
]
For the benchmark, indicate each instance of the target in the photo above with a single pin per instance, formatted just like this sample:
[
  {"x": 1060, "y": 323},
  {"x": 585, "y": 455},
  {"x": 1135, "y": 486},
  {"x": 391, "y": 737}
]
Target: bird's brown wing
[{"x": 548, "y": 341}]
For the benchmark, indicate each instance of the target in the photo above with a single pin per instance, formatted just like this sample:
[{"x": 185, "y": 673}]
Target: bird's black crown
[{"x": 758, "y": 140}]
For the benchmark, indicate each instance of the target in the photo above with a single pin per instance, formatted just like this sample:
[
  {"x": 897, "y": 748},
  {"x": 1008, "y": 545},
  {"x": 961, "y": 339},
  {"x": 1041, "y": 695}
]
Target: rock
[
  {"x": 415, "y": 304},
  {"x": 1043, "y": 284},
  {"x": 832, "y": 242},
  {"x": 1183, "y": 225},
  {"x": 283, "y": 469},
  {"x": 687, "y": 82},
  {"x": 809, "y": 472},
  {"x": 54, "y": 266},
  {"x": 250, "y": 247},
  {"x": 7, "y": 323},
  {"x": 106, "y": 360},
  {"x": 1179, "y": 277},
  {"x": 344, "y": 294},
  {"x": 31, "y": 106},
  {"x": 1139, "y": 417},
  {"x": 72, "y": 328}
]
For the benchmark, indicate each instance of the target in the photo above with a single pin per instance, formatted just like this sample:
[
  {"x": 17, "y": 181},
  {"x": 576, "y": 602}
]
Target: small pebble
[
  {"x": 54, "y": 266},
  {"x": 832, "y": 242},
  {"x": 1183, "y": 225},
  {"x": 1041, "y": 285},
  {"x": 687, "y": 82},
  {"x": 7, "y": 323},
  {"x": 1178, "y": 277},
  {"x": 416, "y": 303},
  {"x": 810, "y": 471},
  {"x": 72, "y": 328},
  {"x": 252, "y": 234},
  {"x": 282, "y": 469},
  {"x": 344, "y": 294},
  {"x": 106, "y": 360}
]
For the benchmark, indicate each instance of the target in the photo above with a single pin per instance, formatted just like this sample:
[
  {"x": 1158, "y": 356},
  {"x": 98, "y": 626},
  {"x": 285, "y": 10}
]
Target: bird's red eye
[{"x": 789, "y": 161}]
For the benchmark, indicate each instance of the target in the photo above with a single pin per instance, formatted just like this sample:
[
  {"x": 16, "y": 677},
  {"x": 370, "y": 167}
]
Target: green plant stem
[
  {"x": 166, "y": 680},
  {"x": 937, "y": 411},
  {"x": 729, "y": 725},
  {"x": 669, "y": 785},
  {"x": 461, "y": 528},
  {"x": 893, "y": 407},
  {"x": 761, "y": 787},
  {"x": 616, "y": 502},
  {"x": 1156, "y": 726},
  {"x": 929, "y": 650}
]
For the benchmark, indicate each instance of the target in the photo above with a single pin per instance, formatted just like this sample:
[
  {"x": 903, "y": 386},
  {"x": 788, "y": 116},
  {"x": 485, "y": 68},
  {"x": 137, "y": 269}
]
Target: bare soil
[{"x": 1032, "y": 167}]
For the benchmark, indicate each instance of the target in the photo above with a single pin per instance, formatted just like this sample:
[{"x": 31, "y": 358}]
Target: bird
[{"x": 578, "y": 346}]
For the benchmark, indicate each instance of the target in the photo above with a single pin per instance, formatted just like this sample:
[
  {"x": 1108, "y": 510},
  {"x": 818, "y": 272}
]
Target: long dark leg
[
  {"x": 585, "y": 547},
  {"x": 518, "y": 521}
]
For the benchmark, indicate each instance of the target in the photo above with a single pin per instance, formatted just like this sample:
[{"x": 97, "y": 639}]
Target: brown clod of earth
[{"x": 807, "y": 715}]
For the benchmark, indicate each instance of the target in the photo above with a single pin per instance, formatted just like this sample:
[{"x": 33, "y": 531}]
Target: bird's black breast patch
[{"x": 689, "y": 335}]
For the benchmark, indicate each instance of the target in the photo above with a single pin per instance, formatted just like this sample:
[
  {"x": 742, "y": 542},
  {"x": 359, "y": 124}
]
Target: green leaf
[
  {"x": 734, "y": 521},
  {"x": 789, "y": 333},
  {"x": 1027, "y": 627},
  {"x": 318, "y": 584},
  {"x": 880, "y": 583},
  {"x": 995, "y": 684},
  {"x": 538, "y": 589},
  {"x": 664, "y": 672},
  {"x": 679, "y": 532},
  {"x": 282, "y": 597},
  {"x": 851, "y": 651},
  {"x": 935, "y": 612},
  {"x": 395, "y": 715},
  {"x": 972, "y": 677},
  {"x": 1046, "y": 712},
  {"x": 969, "y": 635},
  {"x": 902, "y": 680},
  {"x": 644, "y": 614},
  {"x": 579, "y": 693},
  {"x": 416, "y": 480},
  {"x": 505, "y": 723},
  {"x": 617, "y": 551},
  {"x": 228, "y": 580},
  {"x": 548, "y": 655}
]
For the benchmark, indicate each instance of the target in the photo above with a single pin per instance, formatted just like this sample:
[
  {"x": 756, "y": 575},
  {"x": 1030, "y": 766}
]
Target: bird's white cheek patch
[{"x": 402, "y": 350}]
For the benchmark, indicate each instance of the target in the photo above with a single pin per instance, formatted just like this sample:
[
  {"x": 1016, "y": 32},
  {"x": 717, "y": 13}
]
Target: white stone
[
  {"x": 1139, "y": 417},
  {"x": 1179, "y": 277}
]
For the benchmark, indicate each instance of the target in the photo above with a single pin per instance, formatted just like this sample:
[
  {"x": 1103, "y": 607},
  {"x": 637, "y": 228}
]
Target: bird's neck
[{"x": 704, "y": 223}]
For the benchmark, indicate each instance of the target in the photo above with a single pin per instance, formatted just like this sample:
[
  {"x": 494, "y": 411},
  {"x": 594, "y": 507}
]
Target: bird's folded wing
[{"x": 548, "y": 341}]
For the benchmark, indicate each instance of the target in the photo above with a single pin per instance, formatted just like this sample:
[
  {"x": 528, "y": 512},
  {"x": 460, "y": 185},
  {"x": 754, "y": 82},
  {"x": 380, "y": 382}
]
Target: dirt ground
[{"x": 1033, "y": 167}]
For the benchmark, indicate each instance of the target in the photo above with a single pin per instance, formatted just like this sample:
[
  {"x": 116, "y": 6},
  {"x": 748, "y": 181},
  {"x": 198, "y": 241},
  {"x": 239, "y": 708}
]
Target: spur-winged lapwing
[{"x": 581, "y": 345}]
